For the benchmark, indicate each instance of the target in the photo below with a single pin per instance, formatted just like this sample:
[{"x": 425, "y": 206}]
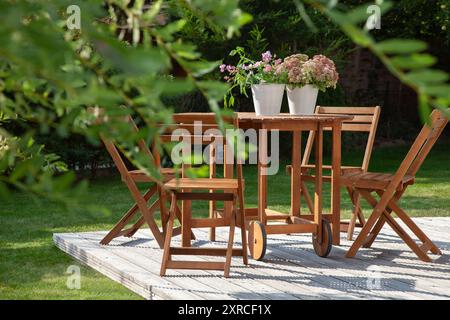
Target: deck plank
[
  {"x": 335, "y": 272},
  {"x": 290, "y": 270},
  {"x": 271, "y": 276}
]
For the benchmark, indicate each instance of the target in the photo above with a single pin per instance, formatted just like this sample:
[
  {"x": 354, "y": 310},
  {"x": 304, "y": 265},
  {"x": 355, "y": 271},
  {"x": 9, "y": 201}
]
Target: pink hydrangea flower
[
  {"x": 257, "y": 64},
  {"x": 319, "y": 70},
  {"x": 266, "y": 56},
  {"x": 268, "y": 68}
]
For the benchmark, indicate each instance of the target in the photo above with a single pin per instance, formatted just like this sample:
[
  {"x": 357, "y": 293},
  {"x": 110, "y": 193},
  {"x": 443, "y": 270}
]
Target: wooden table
[
  {"x": 297, "y": 124},
  {"x": 296, "y": 222}
]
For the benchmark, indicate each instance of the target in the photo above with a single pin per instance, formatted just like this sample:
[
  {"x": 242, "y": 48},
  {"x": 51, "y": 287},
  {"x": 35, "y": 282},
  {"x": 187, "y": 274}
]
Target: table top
[
  {"x": 282, "y": 121},
  {"x": 251, "y": 116}
]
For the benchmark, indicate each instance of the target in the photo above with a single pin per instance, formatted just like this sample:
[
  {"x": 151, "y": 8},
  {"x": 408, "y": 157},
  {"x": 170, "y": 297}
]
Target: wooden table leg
[
  {"x": 335, "y": 184},
  {"x": 212, "y": 174},
  {"x": 318, "y": 183},
  {"x": 228, "y": 173},
  {"x": 186, "y": 213},
  {"x": 295, "y": 173},
  {"x": 262, "y": 175}
]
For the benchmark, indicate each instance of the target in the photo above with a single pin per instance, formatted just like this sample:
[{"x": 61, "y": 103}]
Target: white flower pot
[
  {"x": 302, "y": 101},
  {"x": 267, "y": 98}
]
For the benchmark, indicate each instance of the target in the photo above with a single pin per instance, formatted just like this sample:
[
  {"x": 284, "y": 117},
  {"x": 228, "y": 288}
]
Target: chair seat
[
  {"x": 329, "y": 167},
  {"x": 202, "y": 184},
  {"x": 306, "y": 168},
  {"x": 141, "y": 176},
  {"x": 306, "y": 176},
  {"x": 372, "y": 180}
]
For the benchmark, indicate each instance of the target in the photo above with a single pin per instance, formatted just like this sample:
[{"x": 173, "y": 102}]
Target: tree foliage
[
  {"x": 404, "y": 58},
  {"x": 123, "y": 55},
  {"x": 133, "y": 56}
]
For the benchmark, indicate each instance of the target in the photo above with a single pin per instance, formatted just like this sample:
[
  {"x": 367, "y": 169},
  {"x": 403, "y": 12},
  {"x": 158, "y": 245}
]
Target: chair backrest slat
[
  {"x": 365, "y": 119},
  {"x": 116, "y": 157},
  {"x": 200, "y": 128},
  {"x": 205, "y": 118},
  {"x": 425, "y": 141},
  {"x": 355, "y": 127},
  {"x": 417, "y": 153},
  {"x": 345, "y": 110},
  {"x": 112, "y": 148}
]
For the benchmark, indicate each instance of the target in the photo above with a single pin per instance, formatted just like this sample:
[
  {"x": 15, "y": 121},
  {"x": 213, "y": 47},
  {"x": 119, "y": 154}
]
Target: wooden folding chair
[
  {"x": 206, "y": 189},
  {"x": 131, "y": 178},
  {"x": 365, "y": 119},
  {"x": 390, "y": 188}
]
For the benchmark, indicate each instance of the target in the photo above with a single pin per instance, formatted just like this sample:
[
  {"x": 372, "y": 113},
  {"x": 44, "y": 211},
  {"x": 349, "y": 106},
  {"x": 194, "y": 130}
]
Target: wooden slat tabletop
[{"x": 251, "y": 116}]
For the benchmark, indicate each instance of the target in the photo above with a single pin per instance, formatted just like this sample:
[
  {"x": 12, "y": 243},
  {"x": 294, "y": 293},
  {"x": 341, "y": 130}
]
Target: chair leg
[
  {"x": 212, "y": 204},
  {"x": 374, "y": 232},
  {"x": 421, "y": 252},
  {"x": 380, "y": 223},
  {"x": 243, "y": 229},
  {"x": 163, "y": 210},
  {"x": 147, "y": 212},
  {"x": 361, "y": 218},
  {"x": 362, "y": 236},
  {"x": 212, "y": 214},
  {"x": 407, "y": 239},
  {"x": 135, "y": 227},
  {"x": 186, "y": 223},
  {"x": 178, "y": 215},
  {"x": 427, "y": 243},
  {"x": 141, "y": 221},
  {"x": 354, "y": 196},
  {"x": 125, "y": 219},
  {"x": 166, "y": 254},
  {"x": 351, "y": 226},
  {"x": 226, "y": 272}
]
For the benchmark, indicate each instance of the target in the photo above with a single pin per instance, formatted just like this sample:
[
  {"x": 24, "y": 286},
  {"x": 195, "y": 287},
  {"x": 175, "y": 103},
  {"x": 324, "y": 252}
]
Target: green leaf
[
  {"x": 176, "y": 86},
  {"x": 427, "y": 76},
  {"x": 197, "y": 172},
  {"x": 200, "y": 68},
  {"x": 424, "y": 108},
  {"x": 443, "y": 103},
  {"x": 64, "y": 181},
  {"x": 245, "y": 18},
  {"x": 442, "y": 90},
  {"x": 401, "y": 46},
  {"x": 214, "y": 89},
  {"x": 186, "y": 51},
  {"x": 360, "y": 14},
  {"x": 151, "y": 13},
  {"x": 302, "y": 11},
  {"x": 146, "y": 61},
  {"x": 414, "y": 61},
  {"x": 231, "y": 101},
  {"x": 23, "y": 168},
  {"x": 358, "y": 36},
  {"x": 167, "y": 31}
]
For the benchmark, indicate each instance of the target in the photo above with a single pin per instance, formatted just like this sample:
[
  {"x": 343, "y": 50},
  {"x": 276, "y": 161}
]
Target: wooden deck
[{"x": 291, "y": 270}]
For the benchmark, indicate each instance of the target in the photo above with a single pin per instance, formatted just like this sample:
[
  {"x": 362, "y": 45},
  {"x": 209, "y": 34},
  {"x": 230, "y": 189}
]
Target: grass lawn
[{"x": 31, "y": 267}]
